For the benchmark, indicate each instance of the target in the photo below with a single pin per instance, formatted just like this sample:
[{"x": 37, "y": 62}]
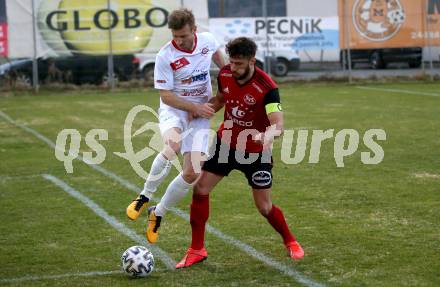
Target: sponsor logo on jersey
[
  {"x": 229, "y": 75},
  {"x": 236, "y": 112},
  {"x": 239, "y": 122},
  {"x": 205, "y": 51},
  {"x": 249, "y": 99},
  {"x": 257, "y": 87},
  {"x": 178, "y": 64},
  {"x": 200, "y": 92},
  {"x": 161, "y": 81},
  {"x": 200, "y": 77},
  {"x": 261, "y": 178},
  {"x": 226, "y": 90}
]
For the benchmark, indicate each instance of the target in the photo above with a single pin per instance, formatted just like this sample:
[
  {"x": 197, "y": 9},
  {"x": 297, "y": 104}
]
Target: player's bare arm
[
  {"x": 198, "y": 110},
  {"x": 276, "y": 128},
  {"x": 218, "y": 58},
  {"x": 217, "y": 102},
  {"x": 272, "y": 132}
]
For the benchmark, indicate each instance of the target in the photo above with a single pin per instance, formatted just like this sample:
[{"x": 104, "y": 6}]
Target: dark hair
[
  {"x": 241, "y": 47},
  {"x": 181, "y": 17}
]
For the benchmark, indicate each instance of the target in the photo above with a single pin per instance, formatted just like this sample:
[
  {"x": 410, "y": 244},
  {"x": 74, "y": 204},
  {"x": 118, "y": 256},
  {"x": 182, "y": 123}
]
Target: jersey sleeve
[
  {"x": 216, "y": 44},
  {"x": 272, "y": 101},
  {"x": 213, "y": 43},
  {"x": 219, "y": 84},
  {"x": 163, "y": 74}
]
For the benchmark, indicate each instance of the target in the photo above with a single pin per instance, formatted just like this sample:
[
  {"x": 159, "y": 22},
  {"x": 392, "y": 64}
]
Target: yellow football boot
[
  {"x": 137, "y": 206},
  {"x": 153, "y": 225}
]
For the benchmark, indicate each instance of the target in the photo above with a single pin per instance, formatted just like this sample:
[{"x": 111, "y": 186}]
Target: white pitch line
[
  {"x": 399, "y": 91},
  {"x": 116, "y": 224},
  {"x": 59, "y": 276},
  {"x": 289, "y": 271}
]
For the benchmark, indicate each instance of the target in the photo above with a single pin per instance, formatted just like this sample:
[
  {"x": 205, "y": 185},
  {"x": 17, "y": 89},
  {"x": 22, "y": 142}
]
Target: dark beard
[{"x": 245, "y": 75}]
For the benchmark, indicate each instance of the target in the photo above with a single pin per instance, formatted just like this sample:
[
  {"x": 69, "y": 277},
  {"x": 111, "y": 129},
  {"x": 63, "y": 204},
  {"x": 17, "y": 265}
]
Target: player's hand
[
  {"x": 204, "y": 110},
  {"x": 258, "y": 138},
  {"x": 192, "y": 116},
  {"x": 265, "y": 141}
]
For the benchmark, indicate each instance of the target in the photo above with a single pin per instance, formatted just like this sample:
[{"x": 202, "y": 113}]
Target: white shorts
[{"x": 195, "y": 133}]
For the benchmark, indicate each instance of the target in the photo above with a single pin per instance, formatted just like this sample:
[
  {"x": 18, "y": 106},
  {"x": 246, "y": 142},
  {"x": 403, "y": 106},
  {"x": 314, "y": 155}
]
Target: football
[
  {"x": 137, "y": 261},
  {"x": 396, "y": 17}
]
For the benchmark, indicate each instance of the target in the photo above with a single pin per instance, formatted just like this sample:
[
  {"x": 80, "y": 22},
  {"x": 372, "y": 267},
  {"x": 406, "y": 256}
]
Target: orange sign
[{"x": 370, "y": 24}]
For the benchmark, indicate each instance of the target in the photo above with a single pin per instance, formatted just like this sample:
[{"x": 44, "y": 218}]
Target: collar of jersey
[{"x": 186, "y": 51}]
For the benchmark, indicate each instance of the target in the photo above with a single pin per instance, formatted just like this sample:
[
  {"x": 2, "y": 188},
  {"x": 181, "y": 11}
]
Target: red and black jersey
[{"x": 245, "y": 114}]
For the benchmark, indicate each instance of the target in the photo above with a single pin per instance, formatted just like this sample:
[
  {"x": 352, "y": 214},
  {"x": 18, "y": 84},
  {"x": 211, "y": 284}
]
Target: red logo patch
[
  {"x": 249, "y": 99},
  {"x": 180, "y": 63}
]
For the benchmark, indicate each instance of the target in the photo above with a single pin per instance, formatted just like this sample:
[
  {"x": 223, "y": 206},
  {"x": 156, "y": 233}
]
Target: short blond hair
[{"x": 180, "y": 18}]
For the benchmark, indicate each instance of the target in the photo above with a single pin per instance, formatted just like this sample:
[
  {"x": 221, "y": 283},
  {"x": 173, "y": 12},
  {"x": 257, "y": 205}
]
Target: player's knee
[
  {"x": 175, "y": 146},
  {"x": 171, "y": 149},
  {"x": 189, "y": 175},
  {"x": 201, "y": 188},
  {"x": 264, "y": 208}
]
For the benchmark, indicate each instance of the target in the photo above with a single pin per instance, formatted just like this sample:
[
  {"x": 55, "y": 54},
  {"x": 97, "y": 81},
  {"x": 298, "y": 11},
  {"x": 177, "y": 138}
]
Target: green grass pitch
[{"x": 360, "y": 225}]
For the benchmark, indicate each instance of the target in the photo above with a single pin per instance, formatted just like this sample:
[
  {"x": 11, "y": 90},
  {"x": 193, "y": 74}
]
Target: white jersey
[{"x": 186, "y": 73}]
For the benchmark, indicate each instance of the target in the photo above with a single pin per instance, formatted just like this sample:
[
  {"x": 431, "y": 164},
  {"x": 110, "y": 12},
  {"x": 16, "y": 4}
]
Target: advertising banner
[
  {"x": 67, "y": 27},
  {"x": 311, "y": 35},
  {"x": 3, "y": 40},
  {"x": 3, "y": 30},
  {"x": 389, "y": 23}
]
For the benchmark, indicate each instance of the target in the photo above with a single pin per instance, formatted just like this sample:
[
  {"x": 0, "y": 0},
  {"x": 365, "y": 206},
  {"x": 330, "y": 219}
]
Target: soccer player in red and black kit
[{"x": 252, "y": 119}]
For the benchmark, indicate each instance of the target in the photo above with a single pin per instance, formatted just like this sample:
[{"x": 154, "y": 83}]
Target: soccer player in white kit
[{"x": 182, "y": 77}]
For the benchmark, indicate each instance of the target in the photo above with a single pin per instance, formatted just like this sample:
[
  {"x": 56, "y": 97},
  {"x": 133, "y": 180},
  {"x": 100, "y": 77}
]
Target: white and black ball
[{"x": 137, "y": 261}]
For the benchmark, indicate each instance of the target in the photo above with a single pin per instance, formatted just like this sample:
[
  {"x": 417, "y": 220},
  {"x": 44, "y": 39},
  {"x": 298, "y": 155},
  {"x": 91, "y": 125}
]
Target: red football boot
[
  {"x": 192, "y": 257},
  {"x": 294, "y": 250}
]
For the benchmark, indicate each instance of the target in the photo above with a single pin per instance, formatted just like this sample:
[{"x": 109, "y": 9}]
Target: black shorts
[{"x": 257, "y": 167}]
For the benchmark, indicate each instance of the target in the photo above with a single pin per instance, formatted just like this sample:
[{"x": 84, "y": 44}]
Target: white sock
[
  {"x": 159, "y": 171},
  {"x": 177, "y": 189}
]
